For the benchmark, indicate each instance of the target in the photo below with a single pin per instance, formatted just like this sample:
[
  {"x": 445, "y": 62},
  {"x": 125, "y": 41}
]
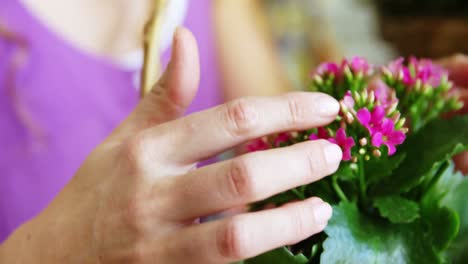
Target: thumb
[{"x": 173, "y": 93}]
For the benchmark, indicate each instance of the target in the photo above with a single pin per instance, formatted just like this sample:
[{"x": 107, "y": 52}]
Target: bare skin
[
  {"x": 105, "y": 28},
  {"x": 137, "y": 197}
]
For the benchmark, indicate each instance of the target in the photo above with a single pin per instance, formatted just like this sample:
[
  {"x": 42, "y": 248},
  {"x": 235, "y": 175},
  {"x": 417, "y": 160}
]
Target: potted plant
[{"x": 396, "y": 196}]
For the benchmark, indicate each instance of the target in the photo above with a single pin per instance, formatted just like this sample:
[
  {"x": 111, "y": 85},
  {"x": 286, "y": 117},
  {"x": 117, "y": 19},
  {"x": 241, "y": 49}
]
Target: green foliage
[
  {"x": 357, "y": 238},
  {"x": 451, "y": 192},
  {"x": 397, "y": 209},
  {"x": 411, "y": 207},
  {"x": 278, "y": 256},
  {"x": 425, "y": 151}
]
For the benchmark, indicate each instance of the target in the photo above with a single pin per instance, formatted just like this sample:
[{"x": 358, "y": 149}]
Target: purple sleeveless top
[{"x": 63, "y": 104}]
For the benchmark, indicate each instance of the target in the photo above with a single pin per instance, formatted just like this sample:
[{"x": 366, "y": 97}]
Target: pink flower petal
[
  {"x": 346, "y": 154},
  {"x": 341, "y": 135},
  {"x": 322, "y": 133},
  {"x": 377, "y": 139},
  {"x": 391, "y": 149},
  {"x": 377, "y": 115},
  {"x": 387, "y": 126},
  {"x": 396, "y": 137},
  {"x": 364, "y": 116},
  {"x": 348, "y": 100}
]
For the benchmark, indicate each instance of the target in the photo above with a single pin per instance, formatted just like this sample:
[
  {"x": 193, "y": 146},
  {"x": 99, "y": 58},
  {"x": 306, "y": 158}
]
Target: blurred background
[{"x": 307, "y": 32}]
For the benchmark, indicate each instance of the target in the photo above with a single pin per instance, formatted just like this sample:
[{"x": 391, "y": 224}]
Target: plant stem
[
  {"x": 362, "y": 180},
  {"x": 440, "y": 171},
  {"x": 338, "y": 189},
  {"x": 298, "y": 194}
]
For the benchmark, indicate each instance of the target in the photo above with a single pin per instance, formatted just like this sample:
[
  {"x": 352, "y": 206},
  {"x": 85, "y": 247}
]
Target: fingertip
[{"x": 182, "y": 74}]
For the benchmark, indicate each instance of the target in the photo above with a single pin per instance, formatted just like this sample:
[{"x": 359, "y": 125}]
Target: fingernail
[
  {"x": 323, "y": 212},
  {"x": 333, "y": 154},
  {"x": 328, "y": 106}
]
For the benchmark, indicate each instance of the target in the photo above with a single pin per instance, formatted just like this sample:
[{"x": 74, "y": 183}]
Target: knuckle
[
  {"x": 136, "y": 255},
  {"x": 296, "y": 216},
  {"x": 134, "y": 217},
  {"x": 134, "y": 152},
  {"x": 316, "y": 159},
  {"x": 296, "y": 113},
  {"x": 300, "y": 222},
  {"x": 239, "y": 179},
  {"x": 241, "y": 116},
  {"x": 230, "y": 240}
]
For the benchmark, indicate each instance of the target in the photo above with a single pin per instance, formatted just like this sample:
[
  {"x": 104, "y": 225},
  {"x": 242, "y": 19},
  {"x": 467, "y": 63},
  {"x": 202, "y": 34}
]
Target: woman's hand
[
  {"x": 138, "y": 196},
  {"x": 458, "y": 68}
]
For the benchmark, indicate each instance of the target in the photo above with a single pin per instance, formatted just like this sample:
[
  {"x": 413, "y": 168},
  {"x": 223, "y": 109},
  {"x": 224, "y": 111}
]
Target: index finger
[{"x": 205, "y": 134}]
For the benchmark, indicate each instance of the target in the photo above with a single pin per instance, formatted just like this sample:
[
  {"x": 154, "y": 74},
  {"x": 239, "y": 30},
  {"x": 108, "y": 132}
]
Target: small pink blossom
[
  {"x": 328, "y": 68},
  {"x": 383, "y": 93},
  {"x": 423, "y": 70},
  {"x": 282, "y": 138},
  {"x": 359, "y": 64},
  {"x": 257, "y": 145},
  {"x": 348, "y": 100},
  {"x": 372, "y": 121},
  {"x": 346, "y": 143},
  {"x": 398, "y": 69},
  {"x": 388, "y": 136},
  {"x": 322, "y": 133},
  {"x": 395, "y": 66},
  {"x": 426, "y": 71}
]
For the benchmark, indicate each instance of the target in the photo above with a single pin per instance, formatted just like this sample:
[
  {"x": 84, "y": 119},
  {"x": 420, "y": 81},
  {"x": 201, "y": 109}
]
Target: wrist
[{"x": 18, "y": 247}]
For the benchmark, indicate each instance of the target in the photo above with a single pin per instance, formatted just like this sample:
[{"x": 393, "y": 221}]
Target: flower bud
[
  {"x": 357, "y": 97},
  {"x": 363, "y": 142},
  {"x": 396, "y": 116},
  {"x": 387, "y": 73},
  {"x": 348, "y": 73},
  {"x": 371, "y": 97},
  {"x": 349, "y": 118},
  {"x": 400, "y": 123},
  {"x": 343, "y": 106},
  {"x": 367, "y": 157},
  {"x": 427, "y": 89},
  {"x": 318, "y": 79},
  {"x": 364, "y": 95},
  {"x": 362, "y": 151},
  {"x": 392, "y": 108},
  {"x": 377, "y": 153},
  {"x": 418, "y": 85},
  {"x": 401, "y": 75}
]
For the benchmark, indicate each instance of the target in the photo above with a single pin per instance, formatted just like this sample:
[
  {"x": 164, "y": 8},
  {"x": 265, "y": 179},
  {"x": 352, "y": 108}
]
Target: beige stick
[{"x": 152, "y": 62}]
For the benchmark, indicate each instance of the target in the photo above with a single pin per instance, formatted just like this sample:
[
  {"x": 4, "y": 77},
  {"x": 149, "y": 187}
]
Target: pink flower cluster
[
  {"x": 380, "y": 124},
  {"x": 381, "y": 129},
  {"x": 340, "y": 139},
  {"x": 357, "y": 65},
  {"x": 423, "y": 70}
]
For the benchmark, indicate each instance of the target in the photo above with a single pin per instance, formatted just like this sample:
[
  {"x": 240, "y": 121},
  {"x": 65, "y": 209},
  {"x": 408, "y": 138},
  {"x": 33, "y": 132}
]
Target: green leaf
[
  {"x": 378, "y": 169},
  {"x": 435, "y": 143},
  {"x": 397, "y": 209},
  {"x": 278, "y": 256},
  {"x": 346, "y": 173},
  {"x": 444, "y": 227},
  {"x": 445, "y": 207},
  {"x": 457, "y": 199},
  {"x": 356, "y": 238}
]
